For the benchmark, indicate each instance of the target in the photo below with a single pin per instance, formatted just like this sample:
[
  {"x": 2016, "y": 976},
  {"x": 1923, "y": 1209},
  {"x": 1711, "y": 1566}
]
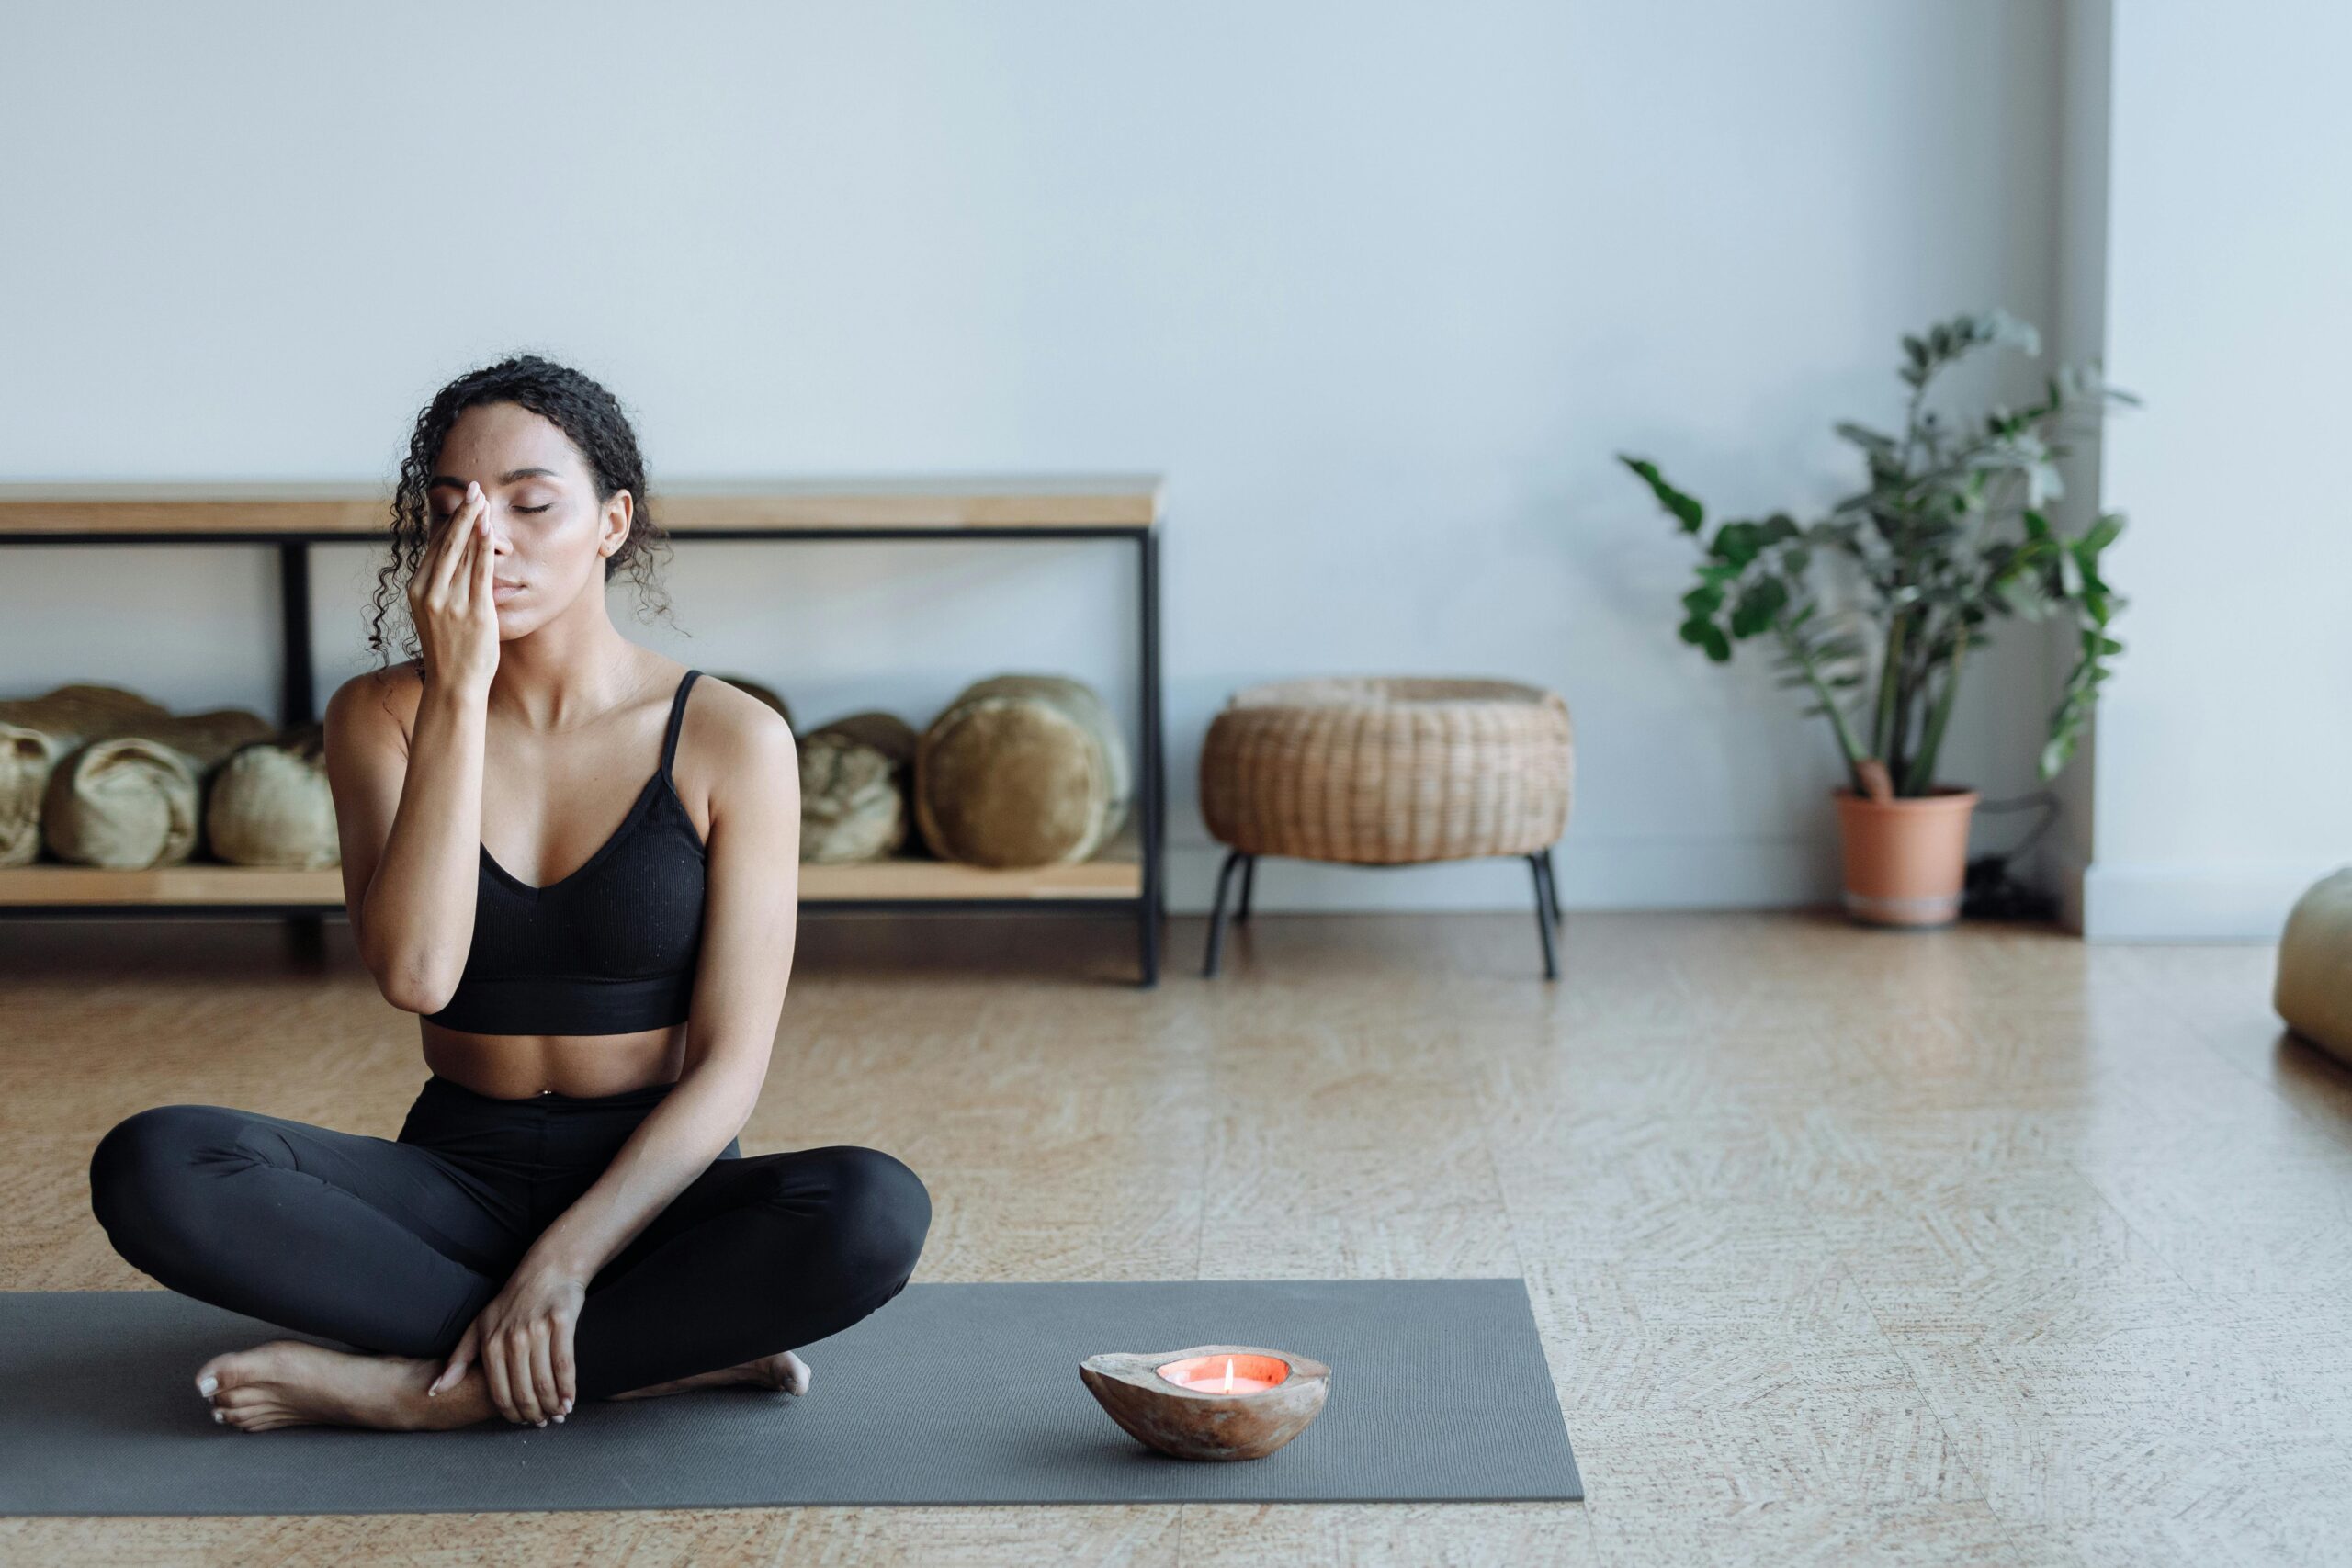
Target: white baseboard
[
  {"x": 1626, "y": 874},
  {"x": 2242, "y": 901}
]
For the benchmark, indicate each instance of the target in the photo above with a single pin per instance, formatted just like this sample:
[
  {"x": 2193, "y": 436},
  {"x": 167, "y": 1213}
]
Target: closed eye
[{"x": 542, "y": 508}]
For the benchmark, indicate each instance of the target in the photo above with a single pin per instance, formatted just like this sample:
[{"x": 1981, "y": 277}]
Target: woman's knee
[
  {"x": 141, "y": 1172},
  {"x": 881, "y": 1210}
]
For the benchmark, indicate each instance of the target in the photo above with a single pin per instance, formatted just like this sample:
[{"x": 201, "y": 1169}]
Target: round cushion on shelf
[
  {"x": 2314, "y": 992},
  {"x": 129, "y": 802},
  {"x": 1022, "y": 771},
  {"x": 270, "y": 805},
  {"x": 36, "y": 733},
  {"x": 853, "y": 788},
  {"x": 1388, "y": 769}
]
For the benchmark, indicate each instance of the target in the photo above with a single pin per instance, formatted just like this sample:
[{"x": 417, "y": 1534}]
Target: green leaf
[
  {"x": 1702, "y": 633},
  {"x": 1737, "y": 543},
  {"x": 1763, "y": 600},
  {"x": 1686, "y": 509},
  {"x": 1706, "y": 636},
  {"x": 1704, "y": 600}
]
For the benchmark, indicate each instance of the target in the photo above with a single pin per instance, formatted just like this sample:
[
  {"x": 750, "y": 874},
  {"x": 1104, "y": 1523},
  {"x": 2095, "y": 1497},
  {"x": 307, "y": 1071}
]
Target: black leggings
[{"x": 395, "y": 1245}]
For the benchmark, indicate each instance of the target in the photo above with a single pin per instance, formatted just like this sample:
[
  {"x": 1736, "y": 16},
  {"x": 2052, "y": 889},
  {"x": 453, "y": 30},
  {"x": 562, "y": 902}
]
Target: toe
[
  {"x": 214, "y": 1376},
  {"x": 232, "y": 1368}
]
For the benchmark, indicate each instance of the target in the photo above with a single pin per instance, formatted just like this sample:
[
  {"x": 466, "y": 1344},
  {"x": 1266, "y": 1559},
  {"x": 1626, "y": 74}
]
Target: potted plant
[{"x": 1874, "y": 608}]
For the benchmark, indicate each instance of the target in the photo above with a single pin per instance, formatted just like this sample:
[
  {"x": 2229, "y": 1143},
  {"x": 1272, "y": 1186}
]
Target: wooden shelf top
[
  {"x": 1117, "y": 873},
  {"x": 948, "y": 504}
]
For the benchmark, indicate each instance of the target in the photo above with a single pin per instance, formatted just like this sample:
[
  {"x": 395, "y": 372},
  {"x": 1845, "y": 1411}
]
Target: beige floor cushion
[
  {"x": 1022, "y": 771},
  {"x": 131, "y": 801},
  {"x": 270, "y": 805},
  {"x": 2315, "y": 989},
  {"x": 854, "y": 775},
  {"x": 36, "y": 734}
]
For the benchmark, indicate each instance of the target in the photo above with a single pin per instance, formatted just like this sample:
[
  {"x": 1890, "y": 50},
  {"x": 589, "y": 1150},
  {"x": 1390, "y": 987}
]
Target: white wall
[
  {"x": 1380, "y": 289},
  {"x": 2224, "y": 749}
]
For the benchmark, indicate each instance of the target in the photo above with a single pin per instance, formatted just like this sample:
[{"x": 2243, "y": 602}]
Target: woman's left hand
[{"x": 524, "y": 1341}]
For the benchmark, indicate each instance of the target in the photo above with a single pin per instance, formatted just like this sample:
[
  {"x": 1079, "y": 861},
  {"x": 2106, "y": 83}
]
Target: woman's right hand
[{"x": 450, "y": 601}]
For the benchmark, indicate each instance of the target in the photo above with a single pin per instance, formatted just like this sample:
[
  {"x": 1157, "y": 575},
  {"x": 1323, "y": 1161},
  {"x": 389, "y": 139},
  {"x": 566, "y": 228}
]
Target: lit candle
[{"x": 1219, "y": 1380}]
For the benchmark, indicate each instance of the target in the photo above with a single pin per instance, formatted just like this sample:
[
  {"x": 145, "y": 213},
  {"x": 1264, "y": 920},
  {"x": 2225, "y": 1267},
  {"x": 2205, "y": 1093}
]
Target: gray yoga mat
[{"x": 949, "y": 1394}]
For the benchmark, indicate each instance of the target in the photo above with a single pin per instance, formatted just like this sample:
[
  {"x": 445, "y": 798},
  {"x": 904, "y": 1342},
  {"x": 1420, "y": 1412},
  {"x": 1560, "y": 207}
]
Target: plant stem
[
  {"x": 1846, "y": 741},
  {"x": 1918, "y": 667},
  {"x": 1890, "y": 689},
  {"x": 1922, "y": 772}
]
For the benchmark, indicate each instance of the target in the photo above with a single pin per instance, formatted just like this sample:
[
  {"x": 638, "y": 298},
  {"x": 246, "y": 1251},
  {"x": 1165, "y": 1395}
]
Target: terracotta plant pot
[{"x": 1905, "y": 860}]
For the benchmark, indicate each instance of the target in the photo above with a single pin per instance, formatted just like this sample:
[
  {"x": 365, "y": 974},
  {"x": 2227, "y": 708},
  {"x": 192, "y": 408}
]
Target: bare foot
[
  {"x": 784, "y": 1372},
  {"x": 291, "y": 1382}
]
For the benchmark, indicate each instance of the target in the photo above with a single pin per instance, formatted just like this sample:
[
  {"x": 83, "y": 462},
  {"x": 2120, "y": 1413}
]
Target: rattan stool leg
[
  {"x": 1552, "y": 881},
  {"x": 1216, "y": 914},
  {"x": 1544, "y": 915},
  {"x": 1248, "y": 882}
]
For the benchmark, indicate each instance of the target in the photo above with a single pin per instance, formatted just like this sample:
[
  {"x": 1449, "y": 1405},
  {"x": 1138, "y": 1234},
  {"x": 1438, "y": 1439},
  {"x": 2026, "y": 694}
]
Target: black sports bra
[{"x": 608, "y": 950}]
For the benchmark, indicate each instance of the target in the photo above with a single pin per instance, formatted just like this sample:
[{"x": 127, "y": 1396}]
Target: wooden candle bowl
[{"x": 1194, "y": 1424}]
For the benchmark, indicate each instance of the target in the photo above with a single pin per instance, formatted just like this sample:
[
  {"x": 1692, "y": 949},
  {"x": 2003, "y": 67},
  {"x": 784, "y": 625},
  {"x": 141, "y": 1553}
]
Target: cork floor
[{"x": 1975, "y": 1247}]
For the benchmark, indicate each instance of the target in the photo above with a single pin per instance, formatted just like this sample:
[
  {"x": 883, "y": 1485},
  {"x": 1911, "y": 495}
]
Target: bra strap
[{"x": 677, "y": 721}]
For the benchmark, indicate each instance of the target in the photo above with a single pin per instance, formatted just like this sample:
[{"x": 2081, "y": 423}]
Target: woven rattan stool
[{"x": 1393, "y": 770}]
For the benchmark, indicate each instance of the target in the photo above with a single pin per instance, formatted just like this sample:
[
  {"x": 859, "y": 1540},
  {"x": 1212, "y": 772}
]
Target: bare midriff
[{"x": 522, "y": 1066}]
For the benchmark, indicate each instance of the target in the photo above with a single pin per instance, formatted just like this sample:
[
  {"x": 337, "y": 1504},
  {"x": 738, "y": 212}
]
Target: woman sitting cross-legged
[{"x": 565, "y": 1215}]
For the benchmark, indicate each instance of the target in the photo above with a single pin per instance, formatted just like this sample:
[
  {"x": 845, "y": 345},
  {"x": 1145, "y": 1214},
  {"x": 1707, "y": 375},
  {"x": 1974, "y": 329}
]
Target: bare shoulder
[
  {"x": 746, "y": 757},
  {"x": 375, "y": 708},
  {"x": 735, "y": 728}
]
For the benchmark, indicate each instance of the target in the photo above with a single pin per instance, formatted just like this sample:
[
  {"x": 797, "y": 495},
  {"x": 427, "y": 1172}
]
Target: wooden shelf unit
[{"x": 1124, "y": 879}]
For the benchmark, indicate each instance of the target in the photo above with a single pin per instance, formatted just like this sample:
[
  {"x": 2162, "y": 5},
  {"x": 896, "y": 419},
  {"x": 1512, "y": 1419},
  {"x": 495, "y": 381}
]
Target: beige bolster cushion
[
  {"x": 2315, "y": 989},
  {"x": 270, "y": 805},
  {"x": 853, "y": 788},
  {"x": 1022, "y": 771},
  {"x": 36, "y": 734},
  {"x": 131, "y": 802}
]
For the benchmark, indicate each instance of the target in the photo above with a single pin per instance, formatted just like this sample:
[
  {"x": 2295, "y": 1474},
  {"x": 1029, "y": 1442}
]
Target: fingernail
[
  {"x": 558, "y": 1420},
  {"x": 207, "y": 1384},
  {"x": 219, "y": 1417},
  {"x": 543, "y": 1421}
]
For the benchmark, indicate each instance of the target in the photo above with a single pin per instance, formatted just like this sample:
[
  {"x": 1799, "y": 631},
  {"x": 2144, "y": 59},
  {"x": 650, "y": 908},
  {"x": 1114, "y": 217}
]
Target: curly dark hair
[{"x": 573, "y": 404}]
